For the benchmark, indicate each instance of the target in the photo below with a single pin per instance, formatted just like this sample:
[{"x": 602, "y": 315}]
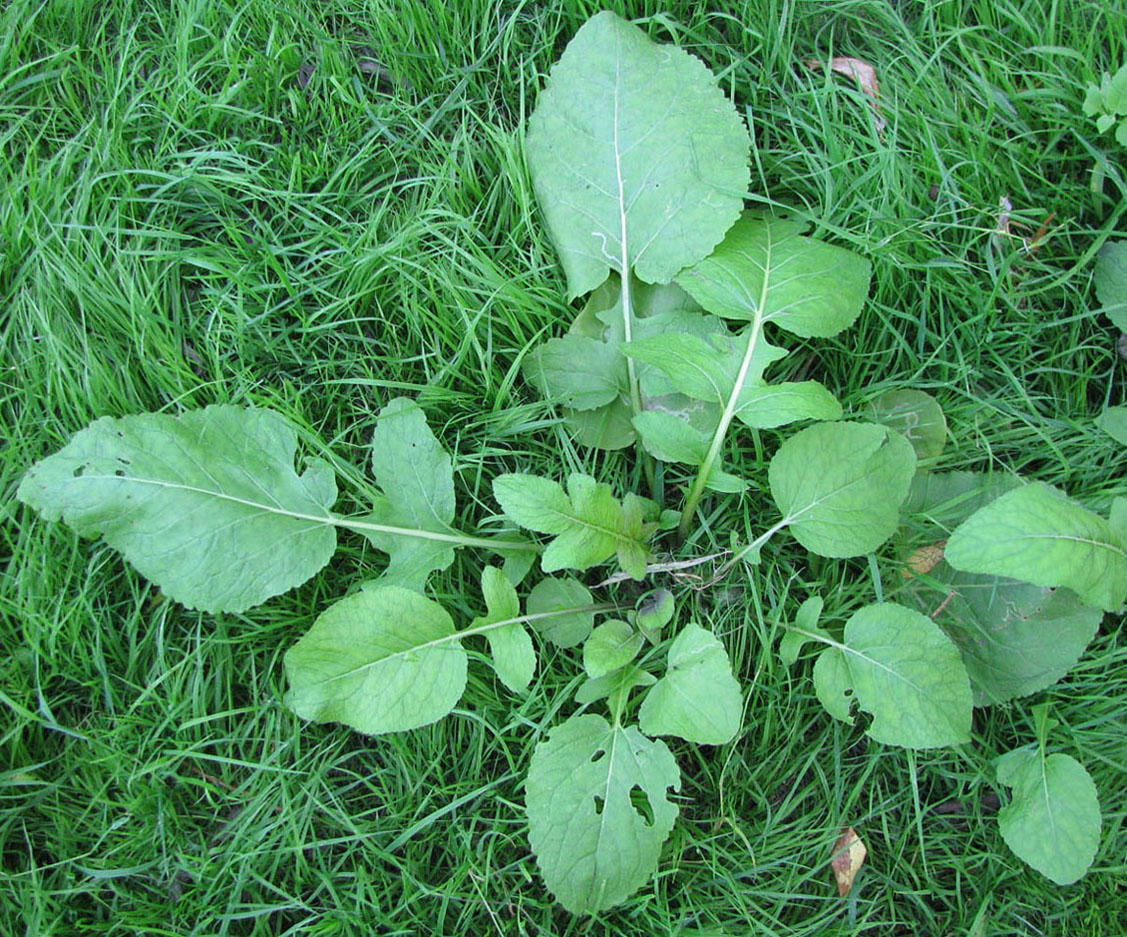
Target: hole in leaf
[
  {"x": 599, "y": 805},
  {"x": 120, "y": 473},
  {"x": 640, "y": 801},
  {"x": 79, "y": 471},
  {"x": 597, "y": 755}
]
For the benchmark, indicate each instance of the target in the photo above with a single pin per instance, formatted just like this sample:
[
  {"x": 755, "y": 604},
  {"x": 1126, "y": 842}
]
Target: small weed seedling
[{"x": 640, "y": 166}]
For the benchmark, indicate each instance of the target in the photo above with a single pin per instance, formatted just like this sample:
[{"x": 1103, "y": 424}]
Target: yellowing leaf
[{"x": 849, "y": 856}]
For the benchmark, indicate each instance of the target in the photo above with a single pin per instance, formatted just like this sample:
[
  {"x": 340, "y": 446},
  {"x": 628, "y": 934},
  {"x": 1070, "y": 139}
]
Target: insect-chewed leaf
[
  {"x": 1036, "y": 534},
  {"x": 766, "y": 271},
  {"x": 513, "y": 654},
  {"x": 638, "y": 160},
  {"x": 589, "y": 523},
  {"x": 598, "y": 810},
  {"x": 416, "y": 474},
  {"x": 899, "y": 666},
  {"x": 550, "y": 598},
  {"x": 1053, "y": 820},
  {"x": 379, "y": 661},
  {"x": 1110, "y": 277},
  {"x": 698, "y": 699},
  {"x": 839, "y": 485},
  {"x": 206, "y": 505}
]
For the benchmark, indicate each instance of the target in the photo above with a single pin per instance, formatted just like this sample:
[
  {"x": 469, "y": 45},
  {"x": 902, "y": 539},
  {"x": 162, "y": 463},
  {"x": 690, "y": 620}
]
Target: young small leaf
[
  {"x": 638, "y": 160},
  {"x": 805, "y": 628},
  {"x": 1053, "y": 819},
  {"x": 383, "y": 660},
  {"x": 654, "y": 612},
  {"x": 1036, "y": 534},
  {"x": 206, "y": 505},
  {"x": 513, "y": 655},
  {"x": 903, "y": 670},
  {"x": 551, "y": 596},
  {"x": 839, "y": 485},
  {"x": 698, "y": 699},
  {"x": 416, "y": 474},
  {"x": 915, "y": 415},
  {"x": 1110, "y": 277},
  {"x": 589, "y": 523},
  {"x": 611, "y": 646},
  {"x": 617, "y": 681},
  {"x": 593, "y": 845}
]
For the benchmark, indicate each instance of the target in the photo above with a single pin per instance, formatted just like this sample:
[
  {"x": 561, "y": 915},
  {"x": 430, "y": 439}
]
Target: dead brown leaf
[
  {"x": 861, "y": 72},
  {"x": 924, "y": 560},
  {"x": 849, "y": 856}
]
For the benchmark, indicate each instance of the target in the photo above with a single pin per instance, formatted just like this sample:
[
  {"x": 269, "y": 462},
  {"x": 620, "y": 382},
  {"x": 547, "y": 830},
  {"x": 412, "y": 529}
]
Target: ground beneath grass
[{"x": 316, "y": 207}]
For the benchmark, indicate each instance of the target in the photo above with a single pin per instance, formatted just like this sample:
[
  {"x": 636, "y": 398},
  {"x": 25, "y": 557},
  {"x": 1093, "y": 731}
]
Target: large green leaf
[
  {"x": 839, "y": 485},
  {"x": 1110, "y": 277},
  {"x": 898, "y": 665},
  {"x": 766, "y": 271},
  {"x": 590, "y": 524},
  {"x": 580, "y": 372},
  {"x": 511, "y": 647},
  {"x": 697, "y": 699},
  {"x": 598, "y": 811},
  {"x": 384, "y": 660},
  {"x": 1036, "y": 534},
  {"x": 1053, "y": 819},
  {"x": 206, "y": 505},
  {"x": 417, "y": 477},
  {"x": 1015, "y": 638},
  {"x": 638, "y": 160}
]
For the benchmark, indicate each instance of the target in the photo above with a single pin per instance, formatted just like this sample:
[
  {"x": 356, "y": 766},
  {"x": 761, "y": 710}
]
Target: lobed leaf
[
  {"x": 383, "y": 660},
  {"x": 1036, "y": 534},
  {"x": 417, "y": 475},
  {"x": 899, "y": 666},
  {"x": 839, "y": 485},
  {"x": 697, "y": 699},
  {"x": 511, "y": 647},
  {"x": 638, "y": 160},
  {"x": 1053, "y": 819},
  {"x": 594, "y": 843},
  {"x": 207, "y": 505},
  {"x": 589, "y": 524}
]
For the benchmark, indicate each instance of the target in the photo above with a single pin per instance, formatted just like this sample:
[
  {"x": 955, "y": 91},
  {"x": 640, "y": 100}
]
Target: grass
[{"x": 318, "y": 206}]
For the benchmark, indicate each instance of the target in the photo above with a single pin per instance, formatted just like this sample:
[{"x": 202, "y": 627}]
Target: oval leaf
[
  {"x": 383, "y": 660},
  {"x": 598, "y": 811},
  {"x": 638, "y": 160},
  {"x": 562, "y": 603},
  {"x": 1053, "y": 820},
  {"x": 206, "y": 505},
  {"x": 698, "y": 699},
  {"x": 839, "y": 485},
  {"x": 916, "y": 416},
  {"x": 903, "y": 669},
  {"x": 1036, "y": 534}
]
